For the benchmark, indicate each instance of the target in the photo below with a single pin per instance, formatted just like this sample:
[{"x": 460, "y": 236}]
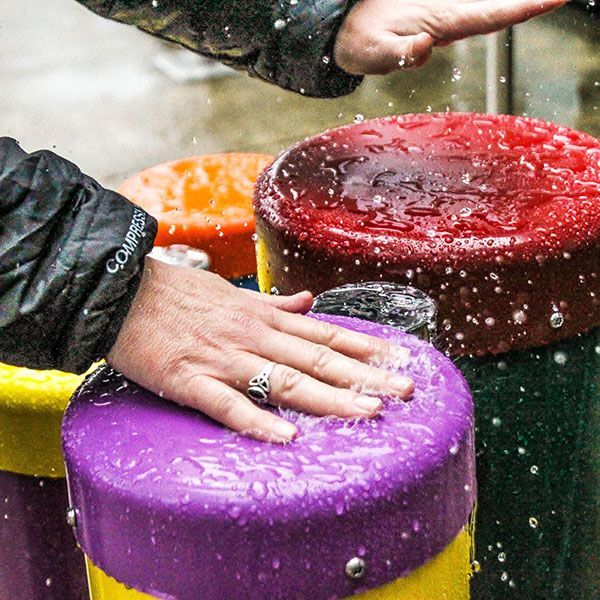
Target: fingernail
[
  {"x": 284, "y": 430},
  {"x": 401, "y": 384},
  {"x": 368, "y": 404}
]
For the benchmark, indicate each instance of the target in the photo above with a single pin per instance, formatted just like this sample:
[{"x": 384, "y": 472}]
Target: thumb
[{"x": 397, "y": 52}]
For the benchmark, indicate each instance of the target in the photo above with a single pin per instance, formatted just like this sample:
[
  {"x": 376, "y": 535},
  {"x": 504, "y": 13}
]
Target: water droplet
[
  {"x": 358, "y": 118},
  {"x": 475, "y": 566},
  {"x": 275, "y": 563},
  {"x": 326, "y": 60},
  {"x": 534, "y": 469},
  {"x": 496, "y": 421},
  {"x": 556, "y": 320},
  {"x": 504, "y": 576},
  {"x": 279, "y": 24},
  {"x": 519, "y": 317},
  {"x": 560, "y": 358},
  {"x": 502, "y": 557},
  {"x": 502, "y": 79},
  {"x": 490, "y": 321},
  {"x": 456, "y": 74},
  {"x": 533, "y": 522}
]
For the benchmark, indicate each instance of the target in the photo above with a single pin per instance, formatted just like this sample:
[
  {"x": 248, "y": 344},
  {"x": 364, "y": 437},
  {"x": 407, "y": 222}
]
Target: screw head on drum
[{"x": 355, "y": 568}]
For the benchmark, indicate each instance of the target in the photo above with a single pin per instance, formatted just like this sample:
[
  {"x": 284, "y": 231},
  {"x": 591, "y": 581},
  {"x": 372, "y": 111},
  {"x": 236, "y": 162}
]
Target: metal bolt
[
  {"x": 72, "y": 517},
  {"x": 355, "y": 568},
  {"x": 557, "y": 320}
]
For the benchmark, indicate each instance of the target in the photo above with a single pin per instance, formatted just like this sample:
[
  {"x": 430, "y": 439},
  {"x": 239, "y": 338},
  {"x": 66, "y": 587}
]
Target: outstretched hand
[
  {"x": 194, "y": 338},
  {"x": 381, "y": 36}
]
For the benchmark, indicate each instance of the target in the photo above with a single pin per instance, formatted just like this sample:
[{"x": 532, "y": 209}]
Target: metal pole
[{"x": 499, "y": 72}]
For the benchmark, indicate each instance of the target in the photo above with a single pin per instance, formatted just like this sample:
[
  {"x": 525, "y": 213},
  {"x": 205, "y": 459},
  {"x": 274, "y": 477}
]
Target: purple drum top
[{"x": 173, "y": 504}]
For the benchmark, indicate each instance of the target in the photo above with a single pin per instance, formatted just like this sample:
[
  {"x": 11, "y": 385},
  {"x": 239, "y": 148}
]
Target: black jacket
[
  {"x": 286, "y": 42},
  {"x": 71, "y": 252},
  {"x": 71, "y": 257}
]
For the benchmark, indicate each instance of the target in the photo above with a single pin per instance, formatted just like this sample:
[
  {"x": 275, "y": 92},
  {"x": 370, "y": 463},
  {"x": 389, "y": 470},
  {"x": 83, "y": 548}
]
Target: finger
[
  {"x": 393, "y": 52},
  {"x": 292, "y": 389},
  {"x": 331, "y": 367},
  {"x": 232, "y": 409},
  {"x": 360, "y": 346},
  {"x": 488, "y": 16},
  {"x": 297, "y": 303}
]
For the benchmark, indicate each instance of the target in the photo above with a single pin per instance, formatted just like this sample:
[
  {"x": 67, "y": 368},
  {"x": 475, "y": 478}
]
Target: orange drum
[{"x": 204, "y": 202}]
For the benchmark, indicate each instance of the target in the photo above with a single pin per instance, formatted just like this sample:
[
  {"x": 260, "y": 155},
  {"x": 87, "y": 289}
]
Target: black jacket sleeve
[
  {"x": 286, "y": 42},
  {"x": 71, "y": 258}
]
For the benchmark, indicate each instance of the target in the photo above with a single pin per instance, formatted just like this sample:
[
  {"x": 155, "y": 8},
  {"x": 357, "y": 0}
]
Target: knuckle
[
  {"x": 224, "y": 405},
  {"x": 321, "y": 357},
  {"x": 375, "y": 349},
  {"x": 244, "y": 323},
  {"x": 290, "y": 381},
  {"x": 177, "y": 367},
  {"x": 273, "y": 317},
  {"x": 329, "y": 335},
  {"x": 341, "y": 400},
  {"x": 444, "y": 15}
]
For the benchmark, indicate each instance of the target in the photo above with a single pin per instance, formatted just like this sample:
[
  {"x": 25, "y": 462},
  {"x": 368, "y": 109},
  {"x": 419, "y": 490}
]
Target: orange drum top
[{"x": 204, "y": 202}]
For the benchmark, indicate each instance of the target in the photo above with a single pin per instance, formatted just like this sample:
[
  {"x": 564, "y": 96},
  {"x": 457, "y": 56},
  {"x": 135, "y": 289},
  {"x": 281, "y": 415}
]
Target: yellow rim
[
  {"x": 31, "y": 409},
  {"x": 263, "y": 272}
]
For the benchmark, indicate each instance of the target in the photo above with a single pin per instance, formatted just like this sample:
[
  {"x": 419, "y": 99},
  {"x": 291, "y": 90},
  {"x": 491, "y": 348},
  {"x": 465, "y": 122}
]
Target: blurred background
[{"x": 115, "y": 100}]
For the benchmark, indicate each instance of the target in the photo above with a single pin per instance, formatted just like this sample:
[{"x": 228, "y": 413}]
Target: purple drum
[{"x": 170, "y": 504}]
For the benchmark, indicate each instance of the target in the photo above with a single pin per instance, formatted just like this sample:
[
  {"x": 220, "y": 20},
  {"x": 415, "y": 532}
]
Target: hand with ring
[{"x": 192, "y": 337}]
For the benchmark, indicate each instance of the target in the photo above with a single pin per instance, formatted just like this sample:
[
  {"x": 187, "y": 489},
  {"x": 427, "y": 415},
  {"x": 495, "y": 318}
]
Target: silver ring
[{"x": 259, "y": 386}]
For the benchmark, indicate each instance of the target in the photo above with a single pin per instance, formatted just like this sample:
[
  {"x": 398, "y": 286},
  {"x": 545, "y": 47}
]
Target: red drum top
[{"x": 462, "y": 199}]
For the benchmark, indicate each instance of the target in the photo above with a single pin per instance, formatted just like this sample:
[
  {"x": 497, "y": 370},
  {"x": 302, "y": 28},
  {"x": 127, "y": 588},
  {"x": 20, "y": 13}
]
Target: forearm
[
  {"x": 71, "y": 255},
  {"x": 289, "y": 44}
]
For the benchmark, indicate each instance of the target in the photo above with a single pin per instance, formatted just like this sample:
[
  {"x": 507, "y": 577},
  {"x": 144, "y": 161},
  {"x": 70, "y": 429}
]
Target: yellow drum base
[
  {"x": 445, "y": 577},
  {"x": 31, "y": 409}
]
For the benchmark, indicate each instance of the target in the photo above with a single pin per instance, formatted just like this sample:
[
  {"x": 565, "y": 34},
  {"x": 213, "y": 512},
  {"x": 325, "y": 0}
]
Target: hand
[
  {"x": 194, "y": 338},
  {"x": 381, "y": 36}
]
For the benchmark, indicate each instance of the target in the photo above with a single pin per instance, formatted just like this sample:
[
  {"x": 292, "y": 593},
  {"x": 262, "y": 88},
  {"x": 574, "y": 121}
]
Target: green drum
[
  {"x": 538, "y": 425},
  {"x": 498, "y": 219}
]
